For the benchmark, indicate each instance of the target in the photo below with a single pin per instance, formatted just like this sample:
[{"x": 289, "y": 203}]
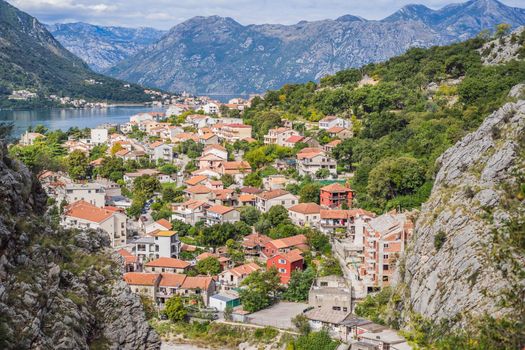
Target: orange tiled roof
[
  {"x": 141, "y": 278},
  {"x": 236, "y": 165},
  {"x": 86, "y": 211},
  {"x": 306, "y": 208},
  {"x": 335, "y": 188},
  {"x": 245, "y": 269},
  {"x": 255, "y": 239},
  {"x": 335, "y": 214},
  {"x": 289, "y": 241},
  {"x": 171, "y": 280},
  {"x": 164, "y": 223},
  {"x": 168, "y": 262},
  {"x": 335, "y": 129},
  {"x": 199, "y": 189},
  {"x": 272, "y": 194},
  {"x": 309, "y": 153},
  {"x": 220, "y": 209},
  {"x": 197, "y": 282},
  {"x": 246, "y": 198},
  {"x": 128, "y": 257},
  {"x": 196, "y": 180}
]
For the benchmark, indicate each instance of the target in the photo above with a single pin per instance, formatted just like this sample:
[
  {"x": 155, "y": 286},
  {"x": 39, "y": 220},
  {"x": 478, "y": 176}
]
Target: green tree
[
  {"x": 77, "y": 165},
  {"x": 322, "y": 173},
  {"x": 315, "y": 341},
  {"x": 302, "y": 324},
  {"x": 309, "y": 193},
  {"x": 209, "y": 266},
  {"x": 249, "y": 215},
  {"x": 299, "y": 285},
  {"x": 393, "y": 177},
  {"x": 175, "y": 309},
  {"x": 502, "y": 30},
  {"x": 227, "y": 180},
  {"x": 261, "y": 288},
  {"x": 146, "y": 185}
]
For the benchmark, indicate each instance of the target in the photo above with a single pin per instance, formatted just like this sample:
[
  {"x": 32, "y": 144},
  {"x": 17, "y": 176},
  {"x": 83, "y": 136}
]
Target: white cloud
[{"x": 166, "y": 13}]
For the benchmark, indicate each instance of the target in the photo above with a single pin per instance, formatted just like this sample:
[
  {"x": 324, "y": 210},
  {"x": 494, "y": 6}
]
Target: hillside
[
  {"x": 102, "y": 47},
  {"x": 31, "y": 59},
  {"x": 405, "y": 112},
  {"x": 216, "y": 55},
  {"x": 60, "y": 289}
]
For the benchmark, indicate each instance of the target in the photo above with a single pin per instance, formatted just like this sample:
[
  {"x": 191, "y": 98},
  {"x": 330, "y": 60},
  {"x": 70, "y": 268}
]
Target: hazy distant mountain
[
  {"x": 30, "y": 58},
  {"x": 218, "y": 55},
  {"x": 102, "y": 47}
]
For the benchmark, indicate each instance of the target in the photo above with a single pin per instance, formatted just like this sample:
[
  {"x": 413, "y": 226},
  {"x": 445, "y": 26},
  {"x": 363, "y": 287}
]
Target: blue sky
[{"x": 163, "y": 14}]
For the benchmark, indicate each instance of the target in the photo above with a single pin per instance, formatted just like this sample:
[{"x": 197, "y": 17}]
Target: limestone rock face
[
  {"x": 59, "y": 289},
  {"x": 505, "y": 49},
  {"x": 448, "y": 269}
]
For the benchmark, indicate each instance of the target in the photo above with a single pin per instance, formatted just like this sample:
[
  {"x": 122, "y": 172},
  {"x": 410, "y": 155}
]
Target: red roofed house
[
  {"x": 339, "y": 132},
  {"x": 284, "y": 245},
  {"x": 335, "y": 196},
  {"x": 84, "y": 215},
  {"x": 286, "y": 264},
  {"x": 232, "y": 278},
  {"x": 143, "y": 283},
  {"x": 279, "y": 136},
  {"x": 167, "y": 265},
  {"x": 305, "y": 214},
  {"x": 254, "y": 243},
  {"x": 130, "y": 261},
  {"x": 292, "y": 141},
  {"x": 310, "y": 160}
]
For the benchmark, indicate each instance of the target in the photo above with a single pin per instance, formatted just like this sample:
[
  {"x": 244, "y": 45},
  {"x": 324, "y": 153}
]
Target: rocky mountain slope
[
  {"x": 216, "y": 55},
  {"x": 102, "y": 47},
  {"x": 30, "y": 58},
  {"x": 505, "y": 49},
  {"x": 59, "y": 289},
  {"x": 467, "y": 257}
]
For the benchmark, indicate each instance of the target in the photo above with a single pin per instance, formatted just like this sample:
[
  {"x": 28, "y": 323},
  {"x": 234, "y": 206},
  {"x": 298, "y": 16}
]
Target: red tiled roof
[
  {"x": 199, "y": 282},
  {"x": 335, "y": 188},
  {"x": 86, "y": 211},
  {"x": 294, "y": 139},
  {"x": 164, "y": 223},
  {"x": 220, "y": 209},
  {"x": 335, "y": 130},
  {"x": 199, "y": 189},
  {"x": 244, "y": 270},
  {"x": 172, "y": 280},
  {"x": 192, "y": 181},
  {"x": 306, "y": 208},
  {"x": 272, "y": 194},
  {"x": 289, "y": 241},
  {"x": 335, "y": 214},
  {"x": 141, "y": 278},
  {"x": 168, "y": 262}
]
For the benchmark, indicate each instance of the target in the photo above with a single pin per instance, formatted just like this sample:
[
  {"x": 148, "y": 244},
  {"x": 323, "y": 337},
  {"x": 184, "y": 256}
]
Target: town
[{"x": 201, "y": 211}]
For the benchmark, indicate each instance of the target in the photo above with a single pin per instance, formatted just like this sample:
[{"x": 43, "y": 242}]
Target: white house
[
  {"x": 305, "y": 214},
  {"x": 233, "y": 277},
  {"x": 331, "y": 121},
  {"x": 92, "y": 193},
  {"x": 310, "y": 160},
  {"x": 219, "y": 214},
  {"x": 265, "y": 200},
  {"x": 211, "y": 108},
  {"x": 167, "y": 244},
  {"x": 99, "y": 136}
]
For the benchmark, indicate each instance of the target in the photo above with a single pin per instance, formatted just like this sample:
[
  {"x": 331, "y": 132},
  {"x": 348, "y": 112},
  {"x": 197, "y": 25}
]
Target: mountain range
[
  {"x": 102, "y": 47},
  {"x": 31, "y": 58},
  {"x": 217, "y": 55}
]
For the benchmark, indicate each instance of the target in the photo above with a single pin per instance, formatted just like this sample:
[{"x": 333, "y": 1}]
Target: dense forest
[{"x": 405, "y": 112}]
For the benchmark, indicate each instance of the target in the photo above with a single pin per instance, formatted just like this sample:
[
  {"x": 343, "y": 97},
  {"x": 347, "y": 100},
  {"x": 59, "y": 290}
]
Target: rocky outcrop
[
  {"x": 455, "y": 267},
  {"x": 59, "y": 289},
  {"x": 505, "y": 49}
]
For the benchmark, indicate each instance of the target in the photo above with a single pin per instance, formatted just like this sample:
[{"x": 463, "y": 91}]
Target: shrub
[{"x": 439, "y": 240}]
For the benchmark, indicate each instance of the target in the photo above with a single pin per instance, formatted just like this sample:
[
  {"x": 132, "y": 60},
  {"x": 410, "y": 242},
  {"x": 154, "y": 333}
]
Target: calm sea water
[{"x": 64, "y": 119}]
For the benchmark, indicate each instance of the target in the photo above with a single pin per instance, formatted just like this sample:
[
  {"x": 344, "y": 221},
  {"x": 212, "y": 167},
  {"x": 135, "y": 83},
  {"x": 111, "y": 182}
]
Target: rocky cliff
[
  {"x": 467, "y": 258},
  {"x": 59, "y": 289}
]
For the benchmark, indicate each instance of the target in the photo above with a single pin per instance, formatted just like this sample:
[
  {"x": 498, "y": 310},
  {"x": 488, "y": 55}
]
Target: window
[
  {"x": 282, "y": 261},
  {"x": 336, "y": 308},
  {"x": 282, "y": 270},
  {"x": 385, "y": 256},
  {"x": 385, "y": 278},
  {"x": 385, "y": 267},
  {"x": 385, "y": 245},
  {"x": 345, "y": 309},
  {"x": 324, "y": 284}
]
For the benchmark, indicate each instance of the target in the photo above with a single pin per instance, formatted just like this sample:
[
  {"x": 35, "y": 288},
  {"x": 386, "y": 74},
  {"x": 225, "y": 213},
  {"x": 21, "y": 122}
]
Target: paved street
[{"x": 279, "y": 315}]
